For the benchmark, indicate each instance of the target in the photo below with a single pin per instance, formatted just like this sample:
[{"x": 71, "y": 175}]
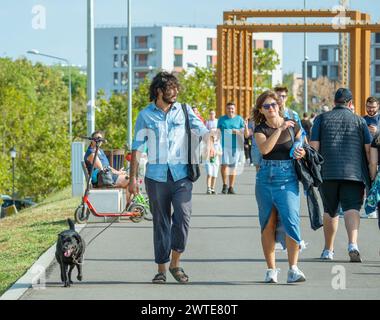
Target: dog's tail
[{"x": 71, "y": 224}]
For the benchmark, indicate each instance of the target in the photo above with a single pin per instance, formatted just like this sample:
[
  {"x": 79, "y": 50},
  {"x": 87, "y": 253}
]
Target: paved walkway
[{"x": 224, "y": 258}]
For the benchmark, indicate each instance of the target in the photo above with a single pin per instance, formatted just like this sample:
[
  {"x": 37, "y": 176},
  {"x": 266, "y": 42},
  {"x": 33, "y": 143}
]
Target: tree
[
  {"x": 34, "y": 119},
  {"x": 321, "y": 92},
  {"x": 198, "y": 89},
  {"x": 264, "y": 62}
]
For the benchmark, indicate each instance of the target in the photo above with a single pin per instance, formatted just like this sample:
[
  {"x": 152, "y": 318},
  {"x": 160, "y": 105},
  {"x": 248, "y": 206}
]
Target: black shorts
[{"x": 350, "y": 195}]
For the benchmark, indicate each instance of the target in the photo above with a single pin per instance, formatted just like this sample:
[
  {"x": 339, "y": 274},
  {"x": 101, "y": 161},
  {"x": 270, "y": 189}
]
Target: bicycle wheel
[
  {"x": 139, "y": 210},
  {"x": 148, "y": 215},
  {"x": 81, "y": 214}
]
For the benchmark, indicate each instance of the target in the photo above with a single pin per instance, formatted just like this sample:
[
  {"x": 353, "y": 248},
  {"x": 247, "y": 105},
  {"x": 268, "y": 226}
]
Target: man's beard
[{"x": 169, "y": 100}]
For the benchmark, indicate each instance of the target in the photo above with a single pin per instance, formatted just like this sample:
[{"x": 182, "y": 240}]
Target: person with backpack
[{"x": 162, "y": 127}]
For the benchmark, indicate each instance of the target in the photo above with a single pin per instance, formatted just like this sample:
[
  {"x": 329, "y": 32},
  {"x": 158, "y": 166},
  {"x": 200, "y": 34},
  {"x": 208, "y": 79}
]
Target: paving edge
[{"x": 26, "y": 281}]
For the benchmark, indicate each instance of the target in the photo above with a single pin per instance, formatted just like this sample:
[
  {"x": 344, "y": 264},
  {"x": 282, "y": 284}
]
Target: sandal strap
[{"x": 179, "y": 274}]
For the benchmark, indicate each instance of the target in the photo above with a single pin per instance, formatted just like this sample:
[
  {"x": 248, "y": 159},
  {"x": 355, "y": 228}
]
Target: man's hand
[
  {"x": 133, "y": 188},
  {"x": 372, "y": 129}
]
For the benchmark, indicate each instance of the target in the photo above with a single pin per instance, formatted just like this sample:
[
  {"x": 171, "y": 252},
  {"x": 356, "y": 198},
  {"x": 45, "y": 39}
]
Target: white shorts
[{"x": 212, "y": 169}]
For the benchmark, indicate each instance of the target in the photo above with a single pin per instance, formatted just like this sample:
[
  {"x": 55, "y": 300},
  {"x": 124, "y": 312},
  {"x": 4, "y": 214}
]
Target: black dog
[{"x": 69, "y": 253}]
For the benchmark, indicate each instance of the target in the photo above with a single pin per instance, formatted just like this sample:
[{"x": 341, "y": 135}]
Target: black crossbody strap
[{"x": 188, "y": 132}]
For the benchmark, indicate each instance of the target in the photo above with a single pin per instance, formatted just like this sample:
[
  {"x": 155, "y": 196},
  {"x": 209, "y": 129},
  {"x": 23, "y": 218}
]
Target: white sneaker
[
  {"x": 271, "y": 275},
  {"x": 327, "y": 255},
  {"x": 353, "y": 252},
  {"x": 372, "y": 215},
  {"x": 295, "y": 275}
]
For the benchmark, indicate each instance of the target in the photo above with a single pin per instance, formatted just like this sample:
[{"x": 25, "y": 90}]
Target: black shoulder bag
[
  {"x": 193, "y": 169},
  {"x": 105, "y": 178}
]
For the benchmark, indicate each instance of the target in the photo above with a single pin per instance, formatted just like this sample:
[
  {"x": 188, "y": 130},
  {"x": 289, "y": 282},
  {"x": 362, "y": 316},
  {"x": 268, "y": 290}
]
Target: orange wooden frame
[{"x": 235, "y": 52}]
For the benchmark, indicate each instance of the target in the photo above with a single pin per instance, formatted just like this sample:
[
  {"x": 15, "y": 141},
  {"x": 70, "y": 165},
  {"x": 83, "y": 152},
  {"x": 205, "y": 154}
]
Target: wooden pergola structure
[{"x": 235, "y": 52}]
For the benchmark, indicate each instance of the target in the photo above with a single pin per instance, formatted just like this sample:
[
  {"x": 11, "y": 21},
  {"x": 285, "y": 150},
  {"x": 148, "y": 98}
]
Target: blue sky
[{"x": 65, "y": 32}]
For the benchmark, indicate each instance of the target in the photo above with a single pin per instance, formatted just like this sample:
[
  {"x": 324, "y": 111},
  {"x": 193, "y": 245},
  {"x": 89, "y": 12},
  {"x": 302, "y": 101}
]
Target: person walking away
[
  {"x": 343, "y": 139},
  {"x": 231, "y": 128},
  {"x": 162, "y": 127},
  {"x": 277, "y": 187}
]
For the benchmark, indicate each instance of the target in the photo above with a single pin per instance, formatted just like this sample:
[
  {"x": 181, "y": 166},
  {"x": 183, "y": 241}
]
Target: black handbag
[
  {"x": 193, "y": 168},
  {"x": 105, "y": 179}
]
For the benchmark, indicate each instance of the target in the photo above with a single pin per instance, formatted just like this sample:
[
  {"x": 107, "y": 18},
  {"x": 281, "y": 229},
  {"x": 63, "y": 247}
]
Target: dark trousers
[{"x": 170, "y": 231}]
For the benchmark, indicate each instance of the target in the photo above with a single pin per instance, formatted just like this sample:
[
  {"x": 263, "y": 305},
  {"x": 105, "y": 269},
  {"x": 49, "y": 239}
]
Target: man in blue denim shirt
[{"x": 161, "y": 127}]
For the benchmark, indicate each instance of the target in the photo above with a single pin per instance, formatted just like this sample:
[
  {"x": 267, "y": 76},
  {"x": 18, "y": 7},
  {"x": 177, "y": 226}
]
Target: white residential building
[{"x": 170, "y": 48}]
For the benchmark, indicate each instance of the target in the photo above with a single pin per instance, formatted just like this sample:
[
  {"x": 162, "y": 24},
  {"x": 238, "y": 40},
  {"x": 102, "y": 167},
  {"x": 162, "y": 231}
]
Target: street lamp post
[
  {"x": 13, "y": 153},
  {"x": 36, "y": 52},
  {"x": 130, "y": 77}
]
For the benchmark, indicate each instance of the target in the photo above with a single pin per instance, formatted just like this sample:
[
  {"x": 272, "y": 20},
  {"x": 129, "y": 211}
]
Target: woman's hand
[
  {"x": 299, "y": 153},
  {"x": 287, "y": 124}
]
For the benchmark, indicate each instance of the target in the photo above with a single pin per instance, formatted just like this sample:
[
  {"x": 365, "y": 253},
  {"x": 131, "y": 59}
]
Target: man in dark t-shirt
[{"x": 373, "y": 117}]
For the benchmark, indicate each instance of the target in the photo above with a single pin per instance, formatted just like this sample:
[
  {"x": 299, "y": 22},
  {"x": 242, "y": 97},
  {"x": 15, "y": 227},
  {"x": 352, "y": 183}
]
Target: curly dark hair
[
  {"x": 257, "y": 116},
  {"x": 164, "y": 81}
]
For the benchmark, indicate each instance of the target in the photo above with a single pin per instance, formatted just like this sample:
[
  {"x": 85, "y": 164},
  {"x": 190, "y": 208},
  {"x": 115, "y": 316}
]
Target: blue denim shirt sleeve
[
  {"x": 139, "y": 138},
  {"x": 196, "y": 125}
]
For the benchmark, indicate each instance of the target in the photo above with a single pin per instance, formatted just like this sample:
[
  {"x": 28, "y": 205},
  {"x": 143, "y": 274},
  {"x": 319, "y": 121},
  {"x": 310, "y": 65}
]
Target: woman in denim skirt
[{"x": 277, "y": 188}]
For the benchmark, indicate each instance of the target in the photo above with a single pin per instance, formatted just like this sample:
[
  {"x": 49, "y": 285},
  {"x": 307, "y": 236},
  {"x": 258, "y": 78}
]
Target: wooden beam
[
  {"x": 365, "y": 65},
  {"x": 244, "y": 14},
  {"x": 315, "y": 28},
  {"x": 355, "y": 68}
]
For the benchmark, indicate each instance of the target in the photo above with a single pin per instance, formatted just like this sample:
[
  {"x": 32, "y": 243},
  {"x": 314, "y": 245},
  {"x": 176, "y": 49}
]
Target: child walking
[{"x": 212, "y": 160}]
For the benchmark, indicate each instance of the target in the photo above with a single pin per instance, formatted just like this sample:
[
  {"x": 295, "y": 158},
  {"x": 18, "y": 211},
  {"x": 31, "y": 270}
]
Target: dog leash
[{"x": 114, "y": 220}]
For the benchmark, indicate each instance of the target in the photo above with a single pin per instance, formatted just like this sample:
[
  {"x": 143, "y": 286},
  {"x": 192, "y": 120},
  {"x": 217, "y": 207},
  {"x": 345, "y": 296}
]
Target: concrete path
[{"x": 224, "y": 258}]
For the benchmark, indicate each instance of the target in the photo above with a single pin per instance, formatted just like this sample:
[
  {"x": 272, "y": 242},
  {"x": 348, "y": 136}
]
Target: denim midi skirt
[{"x": 277, "y": 186}]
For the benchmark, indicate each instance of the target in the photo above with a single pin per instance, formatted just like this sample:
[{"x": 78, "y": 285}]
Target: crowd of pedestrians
[{"x": 280, "y": 145}]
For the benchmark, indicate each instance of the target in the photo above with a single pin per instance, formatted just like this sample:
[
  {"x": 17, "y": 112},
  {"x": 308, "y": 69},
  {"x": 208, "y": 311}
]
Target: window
[
  {"x": 209, "y": 61},
  {"x": 116, "y": 43},
  {"x": 141, "y": 42},
  {"x": 336, "y": 55},
  {"x": 309, "y": 71},
  {"x": 178, "y": 60},
  {"x": 115, "y": 78},
  {"x": 377, "y": 37},
  {"x": 124, "y": 43},
  {"x": 324, "y": 71},
  {"x": 192, "y": 47},
  {"x": 178, "y": 43},
  {"x": 324, "y": 55},
  {"x": 377, "y": 70},
  {"x": 377, "y": 86},
  {"x": 124, "y": 78},
  {"x": 116, "y": 60},
  {"x": 141, "y": 60},
  {"x": 314, "y": 71},
  {"x": 139, "y": 77},
  {"x": 124, "y": 60},
  {"x": 268, "y": 44},
  {"x": 334, "y": 72},
  {"x": 377, "y": 53},
  {"x": 209, "y": 43}
]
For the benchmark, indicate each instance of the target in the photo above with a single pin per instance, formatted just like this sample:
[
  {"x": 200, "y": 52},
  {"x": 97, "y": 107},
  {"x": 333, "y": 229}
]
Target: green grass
[{"x": 26, "y": 236}]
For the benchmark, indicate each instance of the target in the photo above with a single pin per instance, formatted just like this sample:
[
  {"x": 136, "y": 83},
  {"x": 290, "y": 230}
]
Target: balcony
[
  {"x": 143, "y": 67},
  {"x": 143, "y": 49}
]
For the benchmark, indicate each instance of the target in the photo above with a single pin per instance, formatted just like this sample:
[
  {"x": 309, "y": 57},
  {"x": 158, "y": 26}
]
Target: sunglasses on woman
[{"x": 268, "y": 105}]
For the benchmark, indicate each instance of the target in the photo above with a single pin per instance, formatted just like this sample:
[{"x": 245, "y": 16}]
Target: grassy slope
[{"x": 27, "y": 235}]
